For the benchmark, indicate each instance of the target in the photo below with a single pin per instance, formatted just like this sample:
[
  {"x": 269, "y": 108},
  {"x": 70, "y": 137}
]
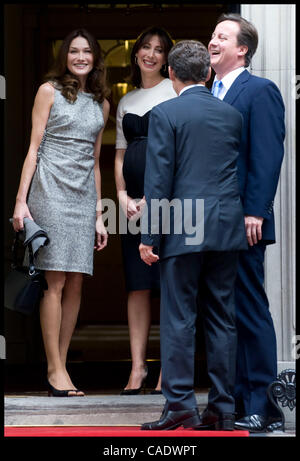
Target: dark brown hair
[
  {"x": 166, "y": 44},
  {"x": 190, "y": 61},
  {"x": 247, "y": 36},
  {"x": 96, "y": 80}
]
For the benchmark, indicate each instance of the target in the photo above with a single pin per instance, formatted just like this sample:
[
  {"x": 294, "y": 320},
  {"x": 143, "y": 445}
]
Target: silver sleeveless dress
[{"x": 62, "y": 197}]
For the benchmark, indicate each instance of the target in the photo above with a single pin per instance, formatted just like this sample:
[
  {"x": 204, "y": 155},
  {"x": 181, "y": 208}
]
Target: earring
[{"x": 164, "y": 68}]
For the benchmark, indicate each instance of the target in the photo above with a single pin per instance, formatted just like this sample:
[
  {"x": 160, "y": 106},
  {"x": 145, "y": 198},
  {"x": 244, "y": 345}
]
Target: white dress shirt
[{"x": 228, "y": 81}]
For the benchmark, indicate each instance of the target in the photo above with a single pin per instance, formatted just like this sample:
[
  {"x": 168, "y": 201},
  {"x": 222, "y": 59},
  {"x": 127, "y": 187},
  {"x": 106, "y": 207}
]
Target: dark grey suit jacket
[{"x": 193, "y": 145}]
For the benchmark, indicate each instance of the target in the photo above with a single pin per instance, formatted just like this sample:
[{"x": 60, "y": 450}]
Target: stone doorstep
[
  {"x": 94, "y": 410},
  {"x": 82, "y": 419},
  {"x": 99, "y": 410}
]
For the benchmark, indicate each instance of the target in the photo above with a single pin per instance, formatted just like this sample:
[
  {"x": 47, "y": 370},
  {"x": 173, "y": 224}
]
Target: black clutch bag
[{"x": 24, "y": 286}]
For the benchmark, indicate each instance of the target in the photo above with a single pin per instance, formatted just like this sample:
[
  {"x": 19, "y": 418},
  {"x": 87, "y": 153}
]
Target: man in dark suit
[
  {"x": 191, "y": 165},
  {"x": 231, "y": 48}
]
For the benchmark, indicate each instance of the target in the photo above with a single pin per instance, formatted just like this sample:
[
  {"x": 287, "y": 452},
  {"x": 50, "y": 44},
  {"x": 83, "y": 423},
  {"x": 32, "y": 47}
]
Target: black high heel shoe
[
  {"x": 138, "y": 390},
  {"x": 52, "y": 392}
]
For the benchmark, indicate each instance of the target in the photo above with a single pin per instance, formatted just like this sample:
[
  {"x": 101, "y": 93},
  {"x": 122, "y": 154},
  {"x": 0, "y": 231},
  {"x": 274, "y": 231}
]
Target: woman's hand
[
  {"x": 127, "y": 204},
  {"x": 131, "y": 208},
  {"x": 101, "y": 235},
  {"x": 21, "y": 211},
  {"x": 140, "y": 205}
]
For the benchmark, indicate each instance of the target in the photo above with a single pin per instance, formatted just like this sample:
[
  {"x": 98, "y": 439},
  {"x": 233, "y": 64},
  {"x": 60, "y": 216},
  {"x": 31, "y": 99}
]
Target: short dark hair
[
  {"x": 247, "y": 36},
  {"x": 166, "y": 44},
  {"x": 190, "y": 61}
]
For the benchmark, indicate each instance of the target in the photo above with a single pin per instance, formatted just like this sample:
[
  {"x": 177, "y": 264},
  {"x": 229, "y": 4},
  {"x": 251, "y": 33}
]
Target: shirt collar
[
  {"x": 229, "y": 78},
  {"x": 190, "y": 86}
]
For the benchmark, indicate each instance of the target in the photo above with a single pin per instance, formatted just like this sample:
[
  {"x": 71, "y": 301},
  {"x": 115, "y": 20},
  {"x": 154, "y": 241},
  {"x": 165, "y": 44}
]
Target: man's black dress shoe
[
  {"x": 275, "y": 424},
  {"x": 252, "y": 423},
  {"x": 212, "y": 421},
  {"x": 172, "y": 419},
  {"x": 259, "y": 423}
]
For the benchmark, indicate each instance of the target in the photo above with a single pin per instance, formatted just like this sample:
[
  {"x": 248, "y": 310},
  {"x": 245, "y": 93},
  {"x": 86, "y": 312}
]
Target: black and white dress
[{"x": 132, "y": 130}]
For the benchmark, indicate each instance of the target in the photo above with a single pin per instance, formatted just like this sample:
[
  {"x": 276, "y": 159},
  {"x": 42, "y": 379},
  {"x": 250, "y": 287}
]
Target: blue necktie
[{"x": 217, "y": 87}]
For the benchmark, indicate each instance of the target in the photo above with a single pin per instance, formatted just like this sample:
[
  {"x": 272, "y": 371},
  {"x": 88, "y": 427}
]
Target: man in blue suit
[
  {"x": 191, "y": 166},
  {"x": 233, "y": 43}
]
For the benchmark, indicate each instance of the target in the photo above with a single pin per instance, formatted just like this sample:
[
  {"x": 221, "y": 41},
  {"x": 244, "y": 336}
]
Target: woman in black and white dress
[{"x": 150, "y": 76}]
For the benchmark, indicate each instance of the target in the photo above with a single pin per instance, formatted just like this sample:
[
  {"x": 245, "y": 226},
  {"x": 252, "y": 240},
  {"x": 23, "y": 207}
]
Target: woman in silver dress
[{"x": 60, "y": 189}]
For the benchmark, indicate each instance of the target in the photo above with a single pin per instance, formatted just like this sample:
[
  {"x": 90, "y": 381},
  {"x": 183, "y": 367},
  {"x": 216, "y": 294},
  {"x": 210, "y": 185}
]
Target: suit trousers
[
  {"x": 256, "y": 352},
  {"x": 180, "y": 281}
]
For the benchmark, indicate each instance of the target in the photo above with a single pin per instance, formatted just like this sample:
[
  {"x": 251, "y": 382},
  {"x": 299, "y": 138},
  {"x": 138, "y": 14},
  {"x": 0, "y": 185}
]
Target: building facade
[{"x": 27, "y": 34}]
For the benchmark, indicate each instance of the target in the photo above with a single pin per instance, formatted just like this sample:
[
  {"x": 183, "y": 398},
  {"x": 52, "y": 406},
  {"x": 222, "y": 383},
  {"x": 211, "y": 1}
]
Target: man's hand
[
  {"x": 253, "y": 226},
  {"x": 147, "y": 254}
]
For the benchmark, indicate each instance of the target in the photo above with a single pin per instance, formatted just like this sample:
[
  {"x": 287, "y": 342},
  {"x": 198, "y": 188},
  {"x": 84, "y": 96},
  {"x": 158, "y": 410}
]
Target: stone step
[
  {"x": 91, "y": 410},
  {"x": 37, "y": 409}
]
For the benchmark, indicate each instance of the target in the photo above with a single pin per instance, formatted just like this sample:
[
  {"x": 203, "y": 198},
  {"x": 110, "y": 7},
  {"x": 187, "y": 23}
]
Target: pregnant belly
[{"x": 134, "y": 168}]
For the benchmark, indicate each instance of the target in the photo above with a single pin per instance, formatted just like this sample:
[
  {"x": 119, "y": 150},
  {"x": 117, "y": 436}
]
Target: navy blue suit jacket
[
  {"x": 261, "y": 150},
  {"x": 193, "y": 145}
]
